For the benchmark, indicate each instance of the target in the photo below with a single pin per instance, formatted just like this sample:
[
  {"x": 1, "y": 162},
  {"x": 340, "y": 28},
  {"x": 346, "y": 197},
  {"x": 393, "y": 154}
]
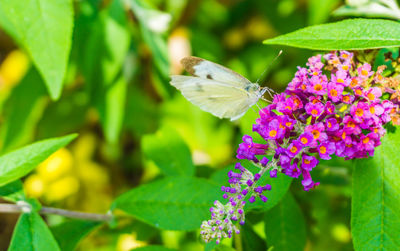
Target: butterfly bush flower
[{"x": 315, "y": 118}]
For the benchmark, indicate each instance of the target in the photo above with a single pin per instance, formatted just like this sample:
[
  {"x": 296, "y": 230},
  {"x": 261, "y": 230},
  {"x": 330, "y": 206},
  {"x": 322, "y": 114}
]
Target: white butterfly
[{"x": 216, "y": 89}]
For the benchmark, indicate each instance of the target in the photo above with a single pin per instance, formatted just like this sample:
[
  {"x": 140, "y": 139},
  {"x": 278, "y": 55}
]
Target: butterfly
[{"x": 217, "y": 89}]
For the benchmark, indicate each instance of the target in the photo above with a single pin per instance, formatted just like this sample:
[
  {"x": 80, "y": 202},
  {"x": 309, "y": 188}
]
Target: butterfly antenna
[{"x": 268, "y": 66}]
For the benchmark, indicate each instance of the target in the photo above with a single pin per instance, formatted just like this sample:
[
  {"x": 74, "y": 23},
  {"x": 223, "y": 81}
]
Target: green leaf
[
  {"x": 104, "y": 52},
  {"x": 375, "y": 215},
  {"x": 175, "y": 203},
  {"x": 223, "y": 247},
  {"x": 112, "y": 109},
  {"x": 44, "y": 28},
  {"x": 152, "y": 23},
  {"x": 320, "y": 10},
  {"x": 285, "y": 226},
  {"x": 12, "y": 191},
  {"x": 23, "y": 111},
  {"x": 280, "y": 186},
  {"x": 31, "y": 233},
  {"x": 19, "y": 163},
  {"x": 153, "y": 248},
  {"x": 169, "y": 152},
  {"x": 351, "y": 34},
  {"x": 251, "y": 240},
  {"x": 69, "y": 233}
]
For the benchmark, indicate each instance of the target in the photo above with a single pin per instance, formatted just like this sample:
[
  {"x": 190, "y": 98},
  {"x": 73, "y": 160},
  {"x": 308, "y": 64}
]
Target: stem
[
  {"x": 238, "y": 242},
  {"x": 14, "y": 208}
]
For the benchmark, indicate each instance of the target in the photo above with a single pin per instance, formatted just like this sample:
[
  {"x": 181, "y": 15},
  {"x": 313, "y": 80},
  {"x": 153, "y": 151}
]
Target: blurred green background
[{"x": 117, "y": 93}]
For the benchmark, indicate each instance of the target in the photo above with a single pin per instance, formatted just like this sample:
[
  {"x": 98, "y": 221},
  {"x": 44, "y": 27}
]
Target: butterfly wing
[
  {"x": 208, "y": 70},
  {"x": 220, "y": 99}
]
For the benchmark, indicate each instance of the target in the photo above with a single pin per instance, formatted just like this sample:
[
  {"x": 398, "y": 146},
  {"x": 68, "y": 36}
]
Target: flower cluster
[{"x": 317, "y": 116}]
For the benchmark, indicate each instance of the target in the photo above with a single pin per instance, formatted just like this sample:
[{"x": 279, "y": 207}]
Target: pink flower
[
  {"x": 314, "y": 110},
  {"x": 364, "y": 71},
  {"x": 335, "y": 91}
]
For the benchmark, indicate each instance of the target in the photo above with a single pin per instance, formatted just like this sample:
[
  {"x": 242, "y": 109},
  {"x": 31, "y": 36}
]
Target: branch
[{"x": 21, "y": 208}]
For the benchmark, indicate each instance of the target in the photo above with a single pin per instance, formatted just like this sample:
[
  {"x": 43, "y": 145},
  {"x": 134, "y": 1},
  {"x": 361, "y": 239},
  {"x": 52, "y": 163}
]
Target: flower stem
[{"x": 14, "y": 208}]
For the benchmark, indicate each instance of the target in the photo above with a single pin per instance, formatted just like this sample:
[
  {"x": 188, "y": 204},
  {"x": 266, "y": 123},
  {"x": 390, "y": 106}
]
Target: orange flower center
[
  {"x": 364, "y": 72},
  {"x": 333, "y": 93},
  {"x": 366, "y": 140},
  {"x": 304, "y": 140},
  {"x": 317, "y": 87},
  {"x": 306, "y": 161},
  {"x": 345, "y": 67},
  {"x": 322, "y": 149},
  {"x": 358, "y": 92},
  {"x": 359, "y": 112},
  {"x": 272, "y": 133},
  {"x": 343, "y": 135},
  {"x": 329, "y": 124},
  {"x": 288, "y": 124},
  {"x": 371, "y": 96},
  {"x": 372, "y": 110},
  {"x": 293, "y": 149},
  {"x": 316, "y": 134},
  {"x": 339, "y": 80},
  {"x": 346, "y": 99},
  {"x": 314, "y": 111},
  {"x": 351, "y": 124}
]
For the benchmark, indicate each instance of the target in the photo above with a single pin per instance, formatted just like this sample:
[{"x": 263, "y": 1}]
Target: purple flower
[
  {"x": 350, "y": 126},
  {"x": 294, "y": 148},
  {"x": 273, "y": 173},
  {"x": 369, "y": 142},
  {"x": 326, "y": 149},
  {"x": 331, "y": 125},
  {"x": 360, "y": 112},
  {"x": 335, "y": 91},
  {"x": 348, "y": 99},
  {"x": 373, "y": 94},
  {"x": 292, "y": 170},
  {"x": 264, "y": 161},
  {"x": 317, "y": 85},
  {"x": 248, "y": 149},
  {"x": 341, "y": 78},
  {"x": 307, "y": 181},
  {"x": 305, "y": 139},
  {"x": 308, "y": 162},
  {"x": 317, "y": 130},
  {"x": 364, "y": 71},
  {"x": 329, "y": 107},
  {"x": 314, "y": 110},
  {"x": 273, "y": 131}
]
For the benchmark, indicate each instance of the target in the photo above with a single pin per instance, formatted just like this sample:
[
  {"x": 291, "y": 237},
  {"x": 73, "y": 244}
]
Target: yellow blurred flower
[
  {"x": 62, "y": 188},
  {"x": 259, "y": 29},
  {"x": 56, "y": 165},
  {"x": 34, "y": 186},
  {"x": 234, "y": 38},
  {"x": 128, "y": 242},
  {"x": 13, "y": 69},
  {"x": 341, "y": 233}
]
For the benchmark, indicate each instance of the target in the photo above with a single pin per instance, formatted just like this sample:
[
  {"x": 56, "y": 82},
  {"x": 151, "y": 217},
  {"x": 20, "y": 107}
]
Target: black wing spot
[{"x": 209, "y": 76}]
